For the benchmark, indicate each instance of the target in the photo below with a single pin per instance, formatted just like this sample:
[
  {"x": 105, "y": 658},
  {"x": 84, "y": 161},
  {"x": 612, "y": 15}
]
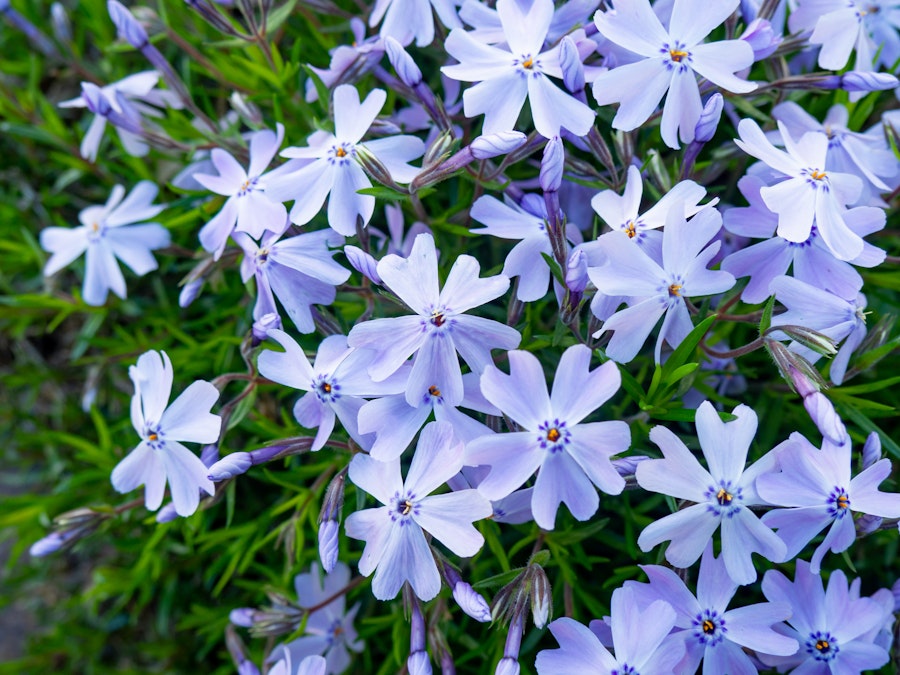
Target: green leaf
[{"x": 765, "y": 322}]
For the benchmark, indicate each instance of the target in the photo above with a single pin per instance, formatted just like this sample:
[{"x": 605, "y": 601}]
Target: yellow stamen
[
  {"x": 437, "y": 318},
  {"x": 675, "y": 290},
  {"x": 152, "y": 437},
  {"x": 677, "y": 55},
  {"x": 843, "y": 502},
  {"x": 822, "y": 645},
  {"x": 406, "y": 507},
  {"x": 709, "y": 627},
  {"x": 553, "y": 435},
  {"x": 631, "y": 230},
  {"x": 434, "y": 391},
  {"x": 818, "y": 175},
  {"x": 724, "y": 497},
  {"x": 326, "y": 387},
  {"x": 340, "y": 152},
  {"x": 528, "y": 63}
]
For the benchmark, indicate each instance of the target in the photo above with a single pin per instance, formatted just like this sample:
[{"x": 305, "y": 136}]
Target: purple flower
[
  {"x": 710, "y": 631},
  {"x": 408, "y": 20},
  {"x": 247, "y": 208},
  {"x": 640, "y": 638},
  {"x": 336, "y": 170},
  {"x": 722, "y": 494},
  {"x": 656, "y": 290},
  {"x": 817, "y": 486},
  {"x": 506, "y": 77},
  {"x": 107, "y": 232},
  {"x": 335, "y": 384},
  {"x": 439, "y": 328},
  {"x": 834, "y": 628},
  {"x": 160, "y": 457},
  {"x": 570, "y": 458},
  {"x": 396, "y": 548},
  {"x": 671, "y": 57}
]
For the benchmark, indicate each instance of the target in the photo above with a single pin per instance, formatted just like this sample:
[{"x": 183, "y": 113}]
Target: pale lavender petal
[
  {"x": 679, "y": 474},
  {"x": 637, "y": 104},
  {"x": 797, "y": 527},
  {"x": 132, "y": 245},
  {"x": 840, "y": 537},
  {"x": 794, "y": 201},
  {"x": 414, "y": 279},
  {"x": 309, "y": 186},
  {"x": 634, "y": 26},
  {"x": 682, "y": 109},
  {"x": 513, "y": 459},
  {"x": 263, "y": 146},
  {"x": 464, "y": 290},
  {"x": 631, "y": 327},
  {"x": 256, "y": 213},
  {"x": 395, "y": 152},
  {"x": 522, "y": 394},
  {"x": 137, "y": 206},
  {"x": 693, "y": 20},
  {"x": 345, "y": 206},
  {"x": 229, "y": 169},
  {"x": 380, "y": 479},
  {"x": 394, "y": 339},
  {"x": 689, "y": 530},
  {"x": 560, "y": 479},
  {"x": 65, "y": 245},
  {"x": 725, "y": 444},
  {"x": 187, "y": 476},
  {"x": 718, "y": 61},
  {"x": 591, "y": 447},
  {"x": 761, "y": 262},
  {"x": 865, "y": 496},
  {"x": 743, "y": 534},
  {"x": 750, "y": 627},
  {"x": 840, "y": 239},
  {"x": 553, "y": 109},
  {"x": 477, "y": 336},
  {"x": 394, "y": 423},
  {"x": 578, "y": 391},
  {"x": 188, "y": 418},
  {"x": 407, "y": 557},
  {"x": 500, "y": 100},
  {"x": 477, "y": 60},
  {"x": 136, "y": 468},
  {"x": 351, "y": 118},
  {"x": 214, "y": 235},
  {"x": 754, "y": 142},
  {"x": 290, "y": 367},
  {"x": 579, "y": 651},
  {"x": 525, "y": 26},
  {"x": 436, "y": 364},
  {"x": 373, "y": 526},
  {"x": 438, "y": 457},
  {"x": 101, "y": 274},
  {"x": 448, "y": 518}
]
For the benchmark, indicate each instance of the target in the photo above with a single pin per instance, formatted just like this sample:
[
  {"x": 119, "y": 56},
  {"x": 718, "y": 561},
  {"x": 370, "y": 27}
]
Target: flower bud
[
  {"x": 509, "y": 664},
  {"x": 263, "y": 325},
  {"x": 128, "y": 27},
  {"x": 801, "y": 383},
  {"x": 189, "y": 292},
  {"x": 248, "y": 110},
  {"x": 363, "y": 263},
  {"x": 760, "y": 35},
  {"x": 576, "y": 272},
  {"x": 62, "y": 28},
  {"x": 329, "y": 546},
  {"x": 571, "y": 65},
  {"x": 471, "y": 602},
  {"x": 552, "y": 165},
  {"x": 418, "y": 664},
  {"x": 167, "y": 513},
  {"x": 47, "y": 545},
  {"x": 403, "y": 64},
  {"x": 230, "y": 466},
  {"x": 626, "y": 466},
  {"x": 709, "y": 118},
  {"x": 209, "y": 454},
  {"x": 895, "y": 589},
  {"x": 242, "y": 616},
  {"x": 867, "y": 524},
  {"x": 871, "y": 451},
  {"x": 809, "y": 338},
  {"x": 374, "y": 167},
  {"x": 502, "y": 143},
  {"x": 541, "y": 597},
  {"x": 825, "y": 418},
  {"x": 864, "y": 81},
  {"x": 439, "y": 149}
]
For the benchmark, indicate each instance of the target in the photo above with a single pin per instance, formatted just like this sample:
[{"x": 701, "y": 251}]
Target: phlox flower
[
  {"x": 311, "y": 665},
  {"x": 640, "y": 639},
  {"x": 247, "y": 208},
  {"x": 818, "y": 488},
  {"x": 329, "y": 630},
  {"x": 722, "y": 495},
  {"x": 571, "y": 458},
  {"x": 507, "y": 76},
  {"x": 439, "y": 328},
  {"x": 834, "y": 627},
  {"x": 809, "y": 195},
  {"x": 109, "y": 232},
  {"x": 488, "y": 28},
  {"x": 396, "y": 549},
  {"x": 348, "y": 62},
  {"x": 408, "y": 20},
  {"x": 299, "y": 271},
  {"x": 656, "y": 290},
  {"x": 336, "y": 384},
  {"x": 711, "y": 632},
  {"x": 336, "y": 170},
  {"x": 160, "y": 457},
  {"x": 671, "y": 57}
]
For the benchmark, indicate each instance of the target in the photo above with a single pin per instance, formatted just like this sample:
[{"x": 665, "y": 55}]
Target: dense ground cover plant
[{"x": 569, "y": 345}]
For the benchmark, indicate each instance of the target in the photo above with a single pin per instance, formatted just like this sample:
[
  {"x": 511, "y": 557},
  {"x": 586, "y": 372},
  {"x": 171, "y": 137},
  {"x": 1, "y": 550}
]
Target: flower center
[
  {"x": 553, "y": 435},
  {"x": 434, "y": 391},
  {"x": 630, "y": 229},
  {"x": 405, "y": 507},
  {"x": 675, "y": 290},
  {"x": 677, "y": 55},
  {"x": 262, "y": 255},
  {"x": 822, "y": 646},
  {"x": 724, "y": 499},
  {"x": 327, "y": 389},
  {"x": 153, "y": 437},
  {"x": 709, "y": 628},
  {"x": 528, "y": 63},
  {"x": 340, "y": 152},
  {"x": 437, "y": 318},
  {"x": 818, "y": 175},
  {"x": 838, "y": 503}
]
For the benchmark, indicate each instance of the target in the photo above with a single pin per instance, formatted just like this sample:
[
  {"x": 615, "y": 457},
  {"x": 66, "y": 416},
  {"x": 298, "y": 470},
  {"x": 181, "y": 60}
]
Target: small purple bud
[
  {"x": 189, "y": 292},
  {"x": 860, "y": 80},
  {"x": 541, "y": 597},
  {"x": 871, "y": 451},
  {"x": 760, "y": 35},
  {"x": 626, "y": 466},
  {"x": 802, "y": 384},
  {"x": 167, "y": 513},
  {"x": 576, "y": 272},
  {"x": 709, "y": 118},
  {"x": 209, "y": 454},
  {"x": 128, "y": 27},
  {"x": 403, "y": 63},
  {"x": 47, "y": 545},
  {"x": 328, "y": 544},
  {"x": 230, "y": 466},
  {"x": 895, "y": 589},
  {"x": 552, "y": 165},
  {"x": 62, "y": 28},
  {"x": 242, "y": 616},
  {"x": 826, "y": 82},
  {"x": 263, "y": 325},
  {"x": 363, "y": 263},
  {"x": 418, "y": 663},
  {"x": 471, "y": 602},
  {"x": 248, "y": 668},
  {"x": 868, "y": 523},
  {"x": 571, "y": 65},
  {"x": 507, "y": 666},
  {"x": 270, "y": 452},
  {"x": 825, "y": 418},
  {"x": 491, "y": 145}
]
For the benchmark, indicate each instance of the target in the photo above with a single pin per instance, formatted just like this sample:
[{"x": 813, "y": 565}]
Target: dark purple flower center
[
  {"x": 709, "y": 628},
  {"x": 553, "y": 435},
  {"x": 838, "y": 503},
  {"x": 676, "y": 56},
  {"x": 822, "y": 646},
  {"x": 724, "y": 499},
  {"x": 625, "y": 669},
  {"x": 327, "y": 388},
  {"x": 341, "y": 154},
  {"x": 403, "y": 507}
]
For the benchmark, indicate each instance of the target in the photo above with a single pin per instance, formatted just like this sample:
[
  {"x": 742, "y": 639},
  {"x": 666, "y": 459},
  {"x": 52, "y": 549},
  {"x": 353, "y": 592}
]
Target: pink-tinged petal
[
  {"x": 631, "y": 327},
  {"x": 66, "y": 245},
  {"x": 637, "y": 103},
  {"x": 693, "y": 20},
  {"x": 132, "y": 245},
  {"x": 438, "y": 457},
  {"x": 679, "y": 474},
  {"x": 843, "y": 242},
  {"x": 352, "y": 119},
  {"x": 407, "y": 557},
  {"x": 152, "y": 377},
  {"x": 477, "y": 60},
  {"x": 743, "y": 534},
  {"x": 754, "y": 142},
  {"x": 577, "y": 390},
  {"x": 394, "y": 423},
  {"x": 380, "y": 479},
  {"x": 560, "y": 479},
  {"x": 499, "y": 99},
  {"x": 395, "y": 340},
  {"x": 257, "y": 213},
  {"x": 476, "y": 336},
  {"x": 553, "y": 109},
  {"x": 136, "y": 468},
  {"x": 188, "y": 418},
  {"x": 263, "y": 146},
  {"x": 448, "y": 518},
  {"x": 749, "y": 627},
  {"x": 795, "y": 203},
  {"x": 187, "y": 476},
  {"x": 522, "y": 395},
  {"x": 464, "y": 290},
  {"x": 591, "y": 447},
  {"x": 101, "y": 274},
  {"x": 214, "y": 235},
  {"x": 634, "y": 26},
  {"x": 374, "y": 527},
  {"x": 513, "y": 459},
  {"x": 864, "y": 494},
  {"x": 718, "y": 61},
  {"x": 414, "y": 279},
  {"x": 290, "y": 367},
  {"x": 137, "y": 206},
  {"x": 525, "y": 25},
  {"x": 682, "y": 109},
  {"x": 436, "y": 364},
  {"x": 345, "y": 205},
  {"x": 689, "y": 530},
  {"x": 725, "y": 444},
  {"x": 580, "y": 651}
]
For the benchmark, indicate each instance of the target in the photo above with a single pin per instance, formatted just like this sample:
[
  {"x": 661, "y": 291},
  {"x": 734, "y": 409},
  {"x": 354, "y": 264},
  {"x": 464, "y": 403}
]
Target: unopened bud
[
  {"x": 248, "y": 110},
  {"x": 128, "y": 27},
  {"x": 801, "y": 383},
  {"x": 571, "y": 65},
  {"x": 871, "y": 451},
  {"x": 440, "y": 148},
  {"x": 492, "y": 145},
  {"x": 541, "y": 597},
  {"x": 189, "y": 292},
  {"x": 762, "y": 38},
  {"x": 263, "y": 325},
  {"x": 167, "y": 513},
  {"x": 47, "y": 545},
  {"x": 471, "y": 602},
  {"x": 809, "y": 338},
  {"x": 864, "y": 81},
  {"x": 508, "y": 666},
  {"x": 552, "y": 165},
  {"x": 895, "y": 589},
  {"x": 576, "y": 272},
  {"x": 230, "y": 466},
  {"x": 867, "y": 524},
  {"x": 329, "y": 544},
  {"x": 403, "y": 64},
  {"x": 709, "y": 119},
  {"x": 363, "y": 263},
  {"x": 374, "y": 167},
  {"x": 242, "y": 616},
  {"x": 825, "y": 418},
  {"x": 62, "y": 28},
  {"x": 626, "y": 466}
]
